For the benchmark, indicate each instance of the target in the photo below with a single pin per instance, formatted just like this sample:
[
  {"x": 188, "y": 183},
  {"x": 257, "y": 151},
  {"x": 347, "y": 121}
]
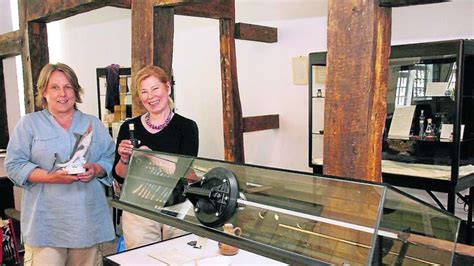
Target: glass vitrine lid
[{"x": 290, "y": 216}]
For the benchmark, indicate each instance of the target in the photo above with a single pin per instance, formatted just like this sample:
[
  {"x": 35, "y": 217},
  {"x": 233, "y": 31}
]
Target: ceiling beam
[
  {"x": 52, "y": 10},
  {"x": 215, "y": 9},
  {"x": 399, "y": 3},
  {"x": 119, "y": 3},
  {"x": 10, "y": 44},
  {"x": 262, "y": 122},
  {"x": 250, "y": 32},
  {"x": 163, "y": 3}
]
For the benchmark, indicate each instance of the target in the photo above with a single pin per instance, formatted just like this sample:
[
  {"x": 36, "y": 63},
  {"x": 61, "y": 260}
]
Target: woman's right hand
[
  {"x": 62, "y": 177},
  {"x": 125, "y": 149}
]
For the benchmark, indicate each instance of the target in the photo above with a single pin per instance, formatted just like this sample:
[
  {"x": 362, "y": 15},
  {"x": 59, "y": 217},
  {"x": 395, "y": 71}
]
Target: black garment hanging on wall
[{"x": 112, "y": 95}]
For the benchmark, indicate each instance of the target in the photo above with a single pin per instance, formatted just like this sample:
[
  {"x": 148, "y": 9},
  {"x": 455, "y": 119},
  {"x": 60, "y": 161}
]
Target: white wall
[
  {"x": 101, "y": 37},
  {"x": 265, "y": 85},
  {"x": 424, "y": 23}
]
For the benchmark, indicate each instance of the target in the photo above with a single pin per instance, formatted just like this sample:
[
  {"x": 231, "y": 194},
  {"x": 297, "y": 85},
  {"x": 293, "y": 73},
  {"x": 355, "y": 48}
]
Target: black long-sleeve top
[{"x": 181, "y": 136}]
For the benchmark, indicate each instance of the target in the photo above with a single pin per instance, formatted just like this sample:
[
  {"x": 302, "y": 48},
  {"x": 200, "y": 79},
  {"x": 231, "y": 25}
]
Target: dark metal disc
[{"x": 221, "y": 204}]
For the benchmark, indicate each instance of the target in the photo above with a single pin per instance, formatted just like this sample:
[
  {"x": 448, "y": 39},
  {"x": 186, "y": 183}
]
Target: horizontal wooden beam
[
  {"x": 52, "y": 10},
  {"x": 175, "y": 2},
  {"x": 120, "y": 3},
  {"x": 399, "y": 3},
  {"x": 262, "y": 122},
  {"x": 215, "y": 9},
  {"x": 250, "y": 32},
  {"x": 10, "y": 44}
]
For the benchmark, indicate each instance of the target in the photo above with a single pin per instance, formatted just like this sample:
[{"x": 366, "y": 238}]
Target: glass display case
[
  {"x": 429, "y": 119},
  {"x": 288, "y": 216},
  {"x": 428, "y": 139}
]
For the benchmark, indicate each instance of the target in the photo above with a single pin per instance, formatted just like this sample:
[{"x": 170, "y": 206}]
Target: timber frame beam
[
  {"x": 4, "y": 135},
  {"x": 10, "y": 44},
  {"x": 52, "y": 10},
  {"x": 356, "y": 88},
  {"x": 263, "y": 122},
  {"x": 250, "y": 32}
]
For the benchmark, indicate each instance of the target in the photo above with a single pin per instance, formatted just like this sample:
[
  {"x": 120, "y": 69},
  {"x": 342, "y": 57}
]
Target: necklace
[{"x": 159, "y": 127}]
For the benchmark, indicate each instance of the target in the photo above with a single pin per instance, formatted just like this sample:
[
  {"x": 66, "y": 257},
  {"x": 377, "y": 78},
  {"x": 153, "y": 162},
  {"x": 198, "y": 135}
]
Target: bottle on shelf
[
  {"x": 430, "y": 130},
  {"x": 422, "y": 125},
  {"x": 319, "y": 93}
]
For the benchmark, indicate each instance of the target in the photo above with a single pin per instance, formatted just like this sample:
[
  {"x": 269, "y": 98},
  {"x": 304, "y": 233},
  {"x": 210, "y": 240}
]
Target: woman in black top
[
  {"x": 159, "y": 129},
  {"x": 180, "y": 136}
]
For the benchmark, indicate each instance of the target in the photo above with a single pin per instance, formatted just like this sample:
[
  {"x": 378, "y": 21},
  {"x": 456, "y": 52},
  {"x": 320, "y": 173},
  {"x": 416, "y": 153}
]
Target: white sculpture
[{"x": 79, "y": 156}]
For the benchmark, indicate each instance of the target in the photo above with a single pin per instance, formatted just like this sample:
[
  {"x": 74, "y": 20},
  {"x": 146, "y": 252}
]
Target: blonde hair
[
  {"x": 43, "y": 80},
  {"x": 156, "y": 72}
]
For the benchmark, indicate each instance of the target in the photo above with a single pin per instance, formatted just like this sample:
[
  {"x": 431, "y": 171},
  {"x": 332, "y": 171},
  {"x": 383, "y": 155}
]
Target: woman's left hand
[
  {"x": 145, "y": 148},
  {"x": 92, "y": 170}
]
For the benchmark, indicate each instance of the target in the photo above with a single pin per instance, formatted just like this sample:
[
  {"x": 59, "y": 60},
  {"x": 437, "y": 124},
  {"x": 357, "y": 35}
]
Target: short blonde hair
[
  {"x": 156, "y": 72},
  {"x": 43, "y": 80}
]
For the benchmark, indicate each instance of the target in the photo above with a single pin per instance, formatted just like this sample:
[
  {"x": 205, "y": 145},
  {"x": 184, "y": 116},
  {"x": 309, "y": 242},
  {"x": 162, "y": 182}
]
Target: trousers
[
  {"x": 139, "y": 231},
  {"x": 63, "y": 256}
]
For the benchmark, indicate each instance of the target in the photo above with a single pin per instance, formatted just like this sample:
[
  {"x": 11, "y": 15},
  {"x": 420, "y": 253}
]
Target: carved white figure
[{"x": 79, "y": 156}]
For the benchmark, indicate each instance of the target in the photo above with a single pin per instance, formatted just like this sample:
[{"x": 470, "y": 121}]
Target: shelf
[
  {"x": 424, "y": 140},
  {"x": 413, "y": 77},
  {"x": 429, "y": 98}
]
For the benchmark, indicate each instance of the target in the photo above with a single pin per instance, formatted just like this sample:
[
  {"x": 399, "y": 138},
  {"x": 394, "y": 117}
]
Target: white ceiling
[{"x": 268, "y": 10}]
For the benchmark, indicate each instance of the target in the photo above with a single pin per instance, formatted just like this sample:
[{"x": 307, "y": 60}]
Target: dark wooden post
[
  {"x": 152, "y": 41},
  {"x": 34, "y": 54},
  {"x": 38, "y": 54},
  {"x": 359, "y": 35},
  {"x": 163, "y": 35},
  {"x": 4, "y": 136},
  {"x": 142, "y": 44},
  {"x": 232, "y": 109},
  {"x": 163, "y": 32}
]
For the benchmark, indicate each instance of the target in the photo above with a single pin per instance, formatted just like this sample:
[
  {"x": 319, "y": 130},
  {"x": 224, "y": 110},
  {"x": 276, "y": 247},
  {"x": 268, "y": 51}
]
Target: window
[{"x": 402, "y": 88}]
